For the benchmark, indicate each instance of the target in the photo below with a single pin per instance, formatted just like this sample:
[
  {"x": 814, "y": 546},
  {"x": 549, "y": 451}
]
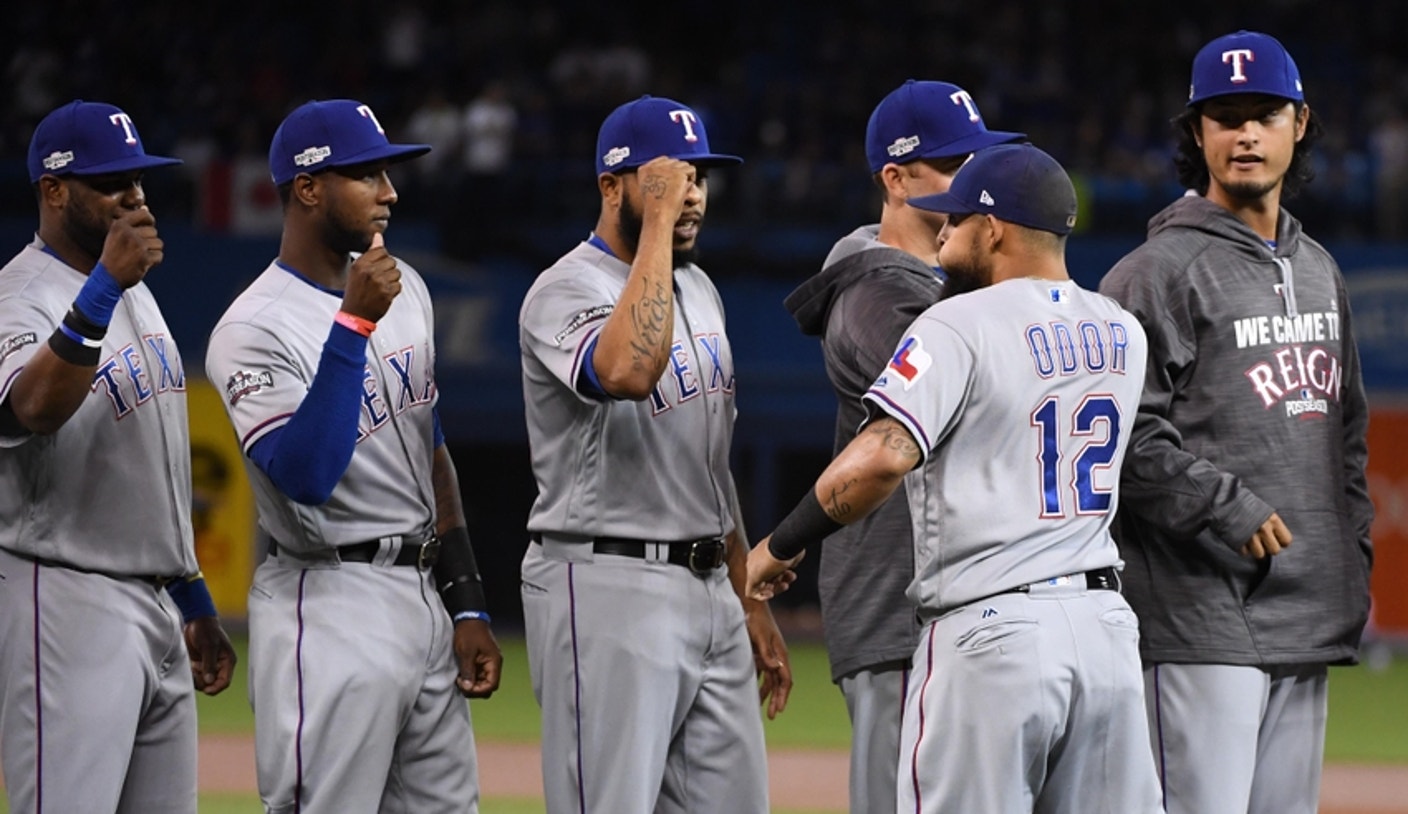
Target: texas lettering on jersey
[
  {"x": 685, "y": 382},
  {"x": 1303, "y": 375},
  {"x": 127, "y": 380},
  {"x": 409, "y": 383}
]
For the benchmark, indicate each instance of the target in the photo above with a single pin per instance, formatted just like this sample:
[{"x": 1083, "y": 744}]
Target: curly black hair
[{"x": 1193, "y": 167}]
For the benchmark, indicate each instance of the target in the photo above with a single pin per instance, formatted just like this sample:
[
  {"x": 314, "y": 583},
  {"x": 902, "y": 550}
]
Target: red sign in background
[{"x": 1388, "y": 486}]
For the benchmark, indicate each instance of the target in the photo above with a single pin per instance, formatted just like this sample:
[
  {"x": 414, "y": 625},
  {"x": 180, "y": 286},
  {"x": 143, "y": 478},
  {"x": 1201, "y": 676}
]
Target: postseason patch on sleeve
[
  {"x": 581, "y": 319},
  {"x": 14, "y": 343},
  {"x": 246, "y": 383}
]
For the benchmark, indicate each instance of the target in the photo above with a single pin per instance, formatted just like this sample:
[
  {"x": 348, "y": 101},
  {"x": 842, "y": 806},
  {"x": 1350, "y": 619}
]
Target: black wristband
[
  {"x": 457, "y": 574},
  {"x": 807, "y": 524},
  {"x": 69, "y": 346},
  {"x": 84, "y": 327}
]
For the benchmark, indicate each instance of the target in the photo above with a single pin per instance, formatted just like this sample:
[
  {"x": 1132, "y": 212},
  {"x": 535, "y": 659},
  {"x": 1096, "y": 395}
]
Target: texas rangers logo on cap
[{"x": 910, "y": 361}]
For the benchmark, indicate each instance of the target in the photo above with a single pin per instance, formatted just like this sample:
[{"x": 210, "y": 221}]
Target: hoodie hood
[
  {"x": 1196, "y": 212},
  {"x": 854, "y": 256}
]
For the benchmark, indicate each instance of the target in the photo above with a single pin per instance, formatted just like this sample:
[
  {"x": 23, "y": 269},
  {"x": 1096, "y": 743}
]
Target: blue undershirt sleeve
[
  {"x": 439, "y": 437},
  {"x": 306, "y": 457},
  {"x": 587, "y": 382}
]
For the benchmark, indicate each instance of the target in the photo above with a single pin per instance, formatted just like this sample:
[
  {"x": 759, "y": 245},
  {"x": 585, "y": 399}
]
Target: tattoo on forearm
[
  {"x": 836, "y": 508},
  {"x": 896, "y": 437},
  {"x": 651, "y": 316}
]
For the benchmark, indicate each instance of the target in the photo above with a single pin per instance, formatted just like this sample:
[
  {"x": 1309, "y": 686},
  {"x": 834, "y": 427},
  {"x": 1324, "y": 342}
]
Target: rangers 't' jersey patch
[
  {"x": 910, "y": 361},
  {"x": 247, "y": 382},
  {"x": 582, "y": 318},
  {"x": 16, "y": 342}
]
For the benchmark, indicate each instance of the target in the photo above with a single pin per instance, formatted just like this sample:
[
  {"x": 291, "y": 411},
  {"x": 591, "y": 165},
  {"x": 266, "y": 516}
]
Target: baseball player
[
  {"x": 637, "y": 640},
  {"x": 367, "y": 619},
  {"x": 874, "y": 283},
  {"x": 104, "y": 618},
  {"x": 1250, "y": 436},
  {"x": 1014, "y": 399}
]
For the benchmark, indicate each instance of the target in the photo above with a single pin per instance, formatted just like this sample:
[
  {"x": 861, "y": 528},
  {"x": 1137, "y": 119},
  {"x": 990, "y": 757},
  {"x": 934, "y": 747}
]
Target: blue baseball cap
[
  {"x": 1244, "y": 62},
  {"x": 927, "y": 120},
  {"x": 320, "y": 135},
  {"x": 650, "y": 127},
  {"x": 1017, "y": 183},
  {"x": 88, "y": 138}
]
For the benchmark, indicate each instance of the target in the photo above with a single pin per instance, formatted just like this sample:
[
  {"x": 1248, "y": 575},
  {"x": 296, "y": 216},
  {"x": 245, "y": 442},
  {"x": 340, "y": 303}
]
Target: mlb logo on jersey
[{"x": 910, "y": 361}]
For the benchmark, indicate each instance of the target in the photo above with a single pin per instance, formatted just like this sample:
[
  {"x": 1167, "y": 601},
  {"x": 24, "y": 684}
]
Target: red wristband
[{"x": 355, "y": 323}]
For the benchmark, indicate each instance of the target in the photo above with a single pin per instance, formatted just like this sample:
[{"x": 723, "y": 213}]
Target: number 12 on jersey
[{"x": 1095, "y": 430}]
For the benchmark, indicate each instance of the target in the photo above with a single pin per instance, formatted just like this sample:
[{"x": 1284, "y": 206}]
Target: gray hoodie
[
  {"x": 1253, "y": 402},
  {"x": 860, "y": 304}
]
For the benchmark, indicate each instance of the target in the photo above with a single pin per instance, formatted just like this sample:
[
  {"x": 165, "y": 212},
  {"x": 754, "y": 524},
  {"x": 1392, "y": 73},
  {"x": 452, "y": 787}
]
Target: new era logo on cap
[
  {"x": 1244, "y": 62},
  {"x": 88, "y": 138},
  {"x": 650, "y": 127},
  {"x": 320, "y": 135},
  {"x": 927, "y": 120},
  {"x": 1017, "y": 183}
]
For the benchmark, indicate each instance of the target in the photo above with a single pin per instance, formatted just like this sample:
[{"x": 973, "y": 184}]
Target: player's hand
[
  {"x": 769, "y": 656},
  {"x": 480, "y": 661},
  {"x": 767, "y": 575},
  {"x": 373, "y": 282},
  {"x": 1269, "y": 540},
  {"x": 664, "y": 186},
  {"x": 132, "y": 247},
  {"x": 212, "y": 656}
]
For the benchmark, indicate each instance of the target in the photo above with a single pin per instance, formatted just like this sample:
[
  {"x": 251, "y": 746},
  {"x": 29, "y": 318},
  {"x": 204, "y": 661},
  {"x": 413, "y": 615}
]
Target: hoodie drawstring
[{"x": 1288, "y": 287}]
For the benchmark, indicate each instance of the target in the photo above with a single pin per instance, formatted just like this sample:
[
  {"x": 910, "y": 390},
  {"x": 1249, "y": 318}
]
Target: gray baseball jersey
[
  {"x": 375, "y": 722},
  {"x": 1021, "y": 396},
  {"x": 91, "y": 517},
  {"x": 613, "y": 638},
  {"x": 653, "y": 470},
  {"x": 264, "y": 352}
]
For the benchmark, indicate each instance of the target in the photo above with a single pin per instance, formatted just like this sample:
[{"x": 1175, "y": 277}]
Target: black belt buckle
[
  {"x": 429, "y": 553},
  {"x": 705, "y": 556}
]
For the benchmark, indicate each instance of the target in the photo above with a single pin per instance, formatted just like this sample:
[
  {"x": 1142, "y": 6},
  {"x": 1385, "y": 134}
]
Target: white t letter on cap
[
  {"x": 686, "y": 118},
  {"x": 125, "y": 122},
  {"x": 366, "y": 111},
  {"x": 962, "y": 98},
  {"x": 1236, "y": 57}
]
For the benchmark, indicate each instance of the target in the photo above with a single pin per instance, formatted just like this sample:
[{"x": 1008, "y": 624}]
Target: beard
[
  {"x": 967, "y": 272},
  {"x": 629, "y": 226},
  {"x": 342, "y": 237},
  {"x": 1249, "y": 190},
  {"x": 85, "y": 228}
]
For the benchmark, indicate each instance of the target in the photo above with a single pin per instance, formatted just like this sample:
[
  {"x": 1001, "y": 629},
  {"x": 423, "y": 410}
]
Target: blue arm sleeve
[{"x": 306, "y": 457}]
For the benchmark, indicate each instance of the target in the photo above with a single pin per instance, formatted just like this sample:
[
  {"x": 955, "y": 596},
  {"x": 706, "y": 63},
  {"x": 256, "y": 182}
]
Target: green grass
[
  {"x": 1368, "y": 708},
  {"x": 815, "y": 716},
  {"x": 1368, "y": 718}
]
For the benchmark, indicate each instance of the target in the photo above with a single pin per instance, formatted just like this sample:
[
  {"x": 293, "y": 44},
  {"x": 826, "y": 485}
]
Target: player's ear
[
  {"x": 996, "y": 230},
  {"x": 612, "y": 187},
  {"x": 892, "y": 180},
  {"x": 305, "y": 189},
  {"x": 1302, "y": 121},
  {"x": 52, "y": 191}
]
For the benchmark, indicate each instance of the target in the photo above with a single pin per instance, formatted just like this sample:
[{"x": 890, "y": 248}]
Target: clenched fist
[
  {"x": 373, "y": 282},
  {"x": 132, "y": 247}
]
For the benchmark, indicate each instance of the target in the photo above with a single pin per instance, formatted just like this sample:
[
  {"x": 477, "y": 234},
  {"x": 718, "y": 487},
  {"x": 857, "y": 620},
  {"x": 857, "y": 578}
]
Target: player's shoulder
[
  {"x": 583, "y": 269},
  {"x": 266, "y": 299},
  {"x": 37, "y": 274}
]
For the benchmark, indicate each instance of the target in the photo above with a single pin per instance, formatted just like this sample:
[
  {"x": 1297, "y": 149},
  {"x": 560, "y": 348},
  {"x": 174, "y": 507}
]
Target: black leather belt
[
  {"x": 1101, "y": 579},
  {"x": 699, "y": 556},
  {"x": 422, "y": 554}
]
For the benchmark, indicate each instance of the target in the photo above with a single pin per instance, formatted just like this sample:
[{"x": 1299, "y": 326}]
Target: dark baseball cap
[
  {"x": 923, "y": 119},
  {"x": 650, "y": 127},
  {"x": 1244, "y": 62},
  {"x": 320, "y": 135},
  {"x": 88, "y": 138},
  {"x": 1017, "y": 183}
]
